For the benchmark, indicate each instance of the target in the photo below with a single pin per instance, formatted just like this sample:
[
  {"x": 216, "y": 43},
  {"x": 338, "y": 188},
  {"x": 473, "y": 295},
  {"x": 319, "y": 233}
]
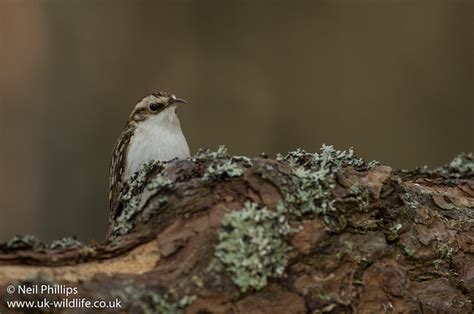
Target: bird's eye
[{"x": 154, "y": 107}]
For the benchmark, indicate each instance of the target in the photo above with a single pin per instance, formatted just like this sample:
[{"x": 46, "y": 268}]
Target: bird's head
[{"x": 155, "y": 105}]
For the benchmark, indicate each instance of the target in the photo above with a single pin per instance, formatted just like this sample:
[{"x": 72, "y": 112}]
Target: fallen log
[{"x": 302, "y": 233}]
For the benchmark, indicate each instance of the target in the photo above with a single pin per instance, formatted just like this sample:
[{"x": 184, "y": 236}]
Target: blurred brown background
[{"x": 391, "y": 78}]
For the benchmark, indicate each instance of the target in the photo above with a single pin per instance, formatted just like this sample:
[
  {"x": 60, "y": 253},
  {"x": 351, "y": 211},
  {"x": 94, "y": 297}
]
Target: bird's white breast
[{"x": 157, "y": 138}]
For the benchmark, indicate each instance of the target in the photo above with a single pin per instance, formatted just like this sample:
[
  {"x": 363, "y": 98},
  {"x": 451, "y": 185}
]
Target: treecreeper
[{"x": 152, "y": 132}]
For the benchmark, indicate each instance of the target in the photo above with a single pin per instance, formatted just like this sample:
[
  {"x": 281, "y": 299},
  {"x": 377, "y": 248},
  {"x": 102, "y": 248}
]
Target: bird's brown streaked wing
[{"x": 117, "y": 165}]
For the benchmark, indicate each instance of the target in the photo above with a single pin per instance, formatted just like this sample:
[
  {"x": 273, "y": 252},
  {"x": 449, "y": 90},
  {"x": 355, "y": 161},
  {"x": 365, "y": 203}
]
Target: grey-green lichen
[
  {"x": 252, "y": 245},
  {"x": 372, "y": 164},
  {"x": 65, "y": 243},
  {"x": 21, "y": 242},
  {"x": 360, "y": 195},
  {"x": 134, "y": 186},
  {"x": 412, "y": 205},
  {"x": 393, "y": 231},
  {"x": 132, "y": 193},
  {"x": 150, "y": 302},
  {"x": 463, "y": 164},
  {"x": 324, "y": 296},
  {"x": 221, "y": 164},
  {"x": 223, "y": 169},
  {"x": 207, "y": 154},
  {"x": 313, "y": 177},
  {"x": 328, "y": 158},
  {"x": 31, "y": 242},
  {"x": 409, "y": 251},
  {"x": 445, "y": 252},
  {"x": 160, "y": 182},
  {"x": 156, "y": 303}
]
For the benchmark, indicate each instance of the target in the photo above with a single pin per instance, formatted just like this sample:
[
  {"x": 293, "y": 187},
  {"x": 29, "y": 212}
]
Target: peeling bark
[{"x": 403, "y": 243}]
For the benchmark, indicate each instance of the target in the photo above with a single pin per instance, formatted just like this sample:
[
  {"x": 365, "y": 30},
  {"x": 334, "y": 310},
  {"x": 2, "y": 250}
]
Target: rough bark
[{"x": 390, "y": 241}]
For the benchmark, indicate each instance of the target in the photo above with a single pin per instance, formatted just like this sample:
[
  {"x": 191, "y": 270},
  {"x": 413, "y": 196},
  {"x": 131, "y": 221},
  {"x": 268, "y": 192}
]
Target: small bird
[{"x": 152, "y": 132}]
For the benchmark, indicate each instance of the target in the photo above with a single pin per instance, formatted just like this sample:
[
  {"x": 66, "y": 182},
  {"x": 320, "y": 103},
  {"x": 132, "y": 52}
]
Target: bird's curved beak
[{"x": 179, "y": 100}]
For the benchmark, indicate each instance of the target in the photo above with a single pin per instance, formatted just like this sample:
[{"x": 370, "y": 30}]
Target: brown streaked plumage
[{"x": 117, "y": 164}]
